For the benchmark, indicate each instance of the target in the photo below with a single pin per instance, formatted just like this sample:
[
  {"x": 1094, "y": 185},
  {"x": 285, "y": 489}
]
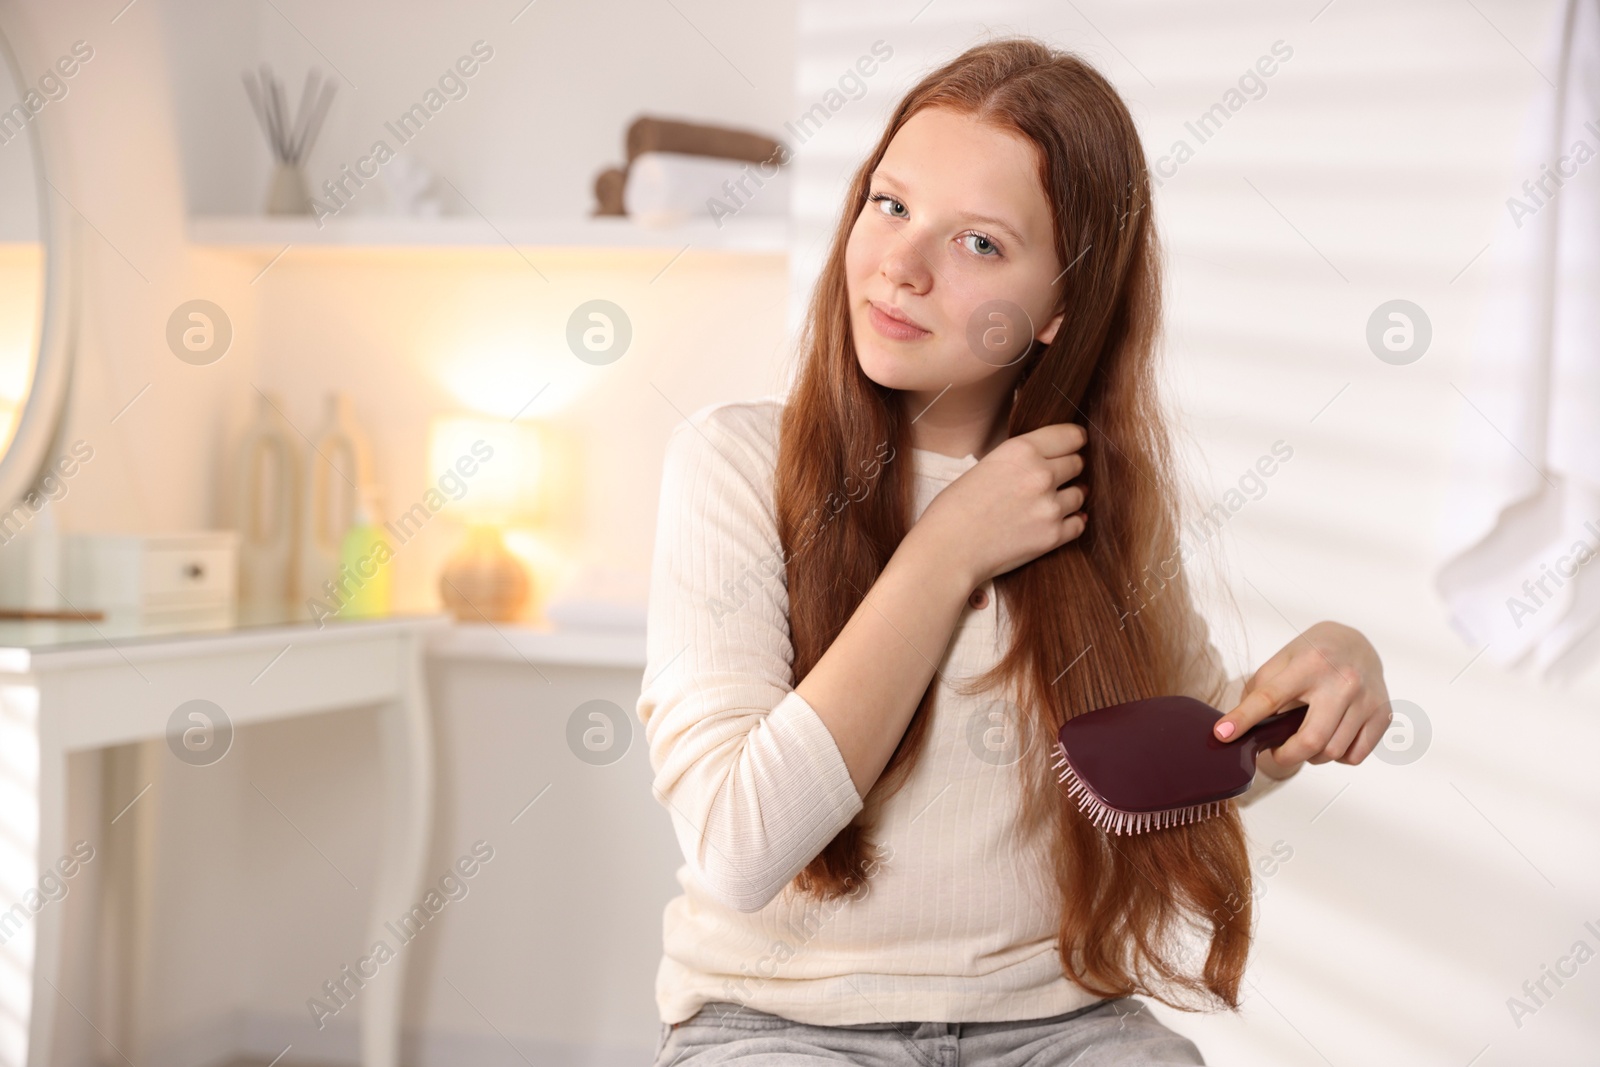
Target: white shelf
[
  {"x": 519, "y": 643},
  {"x": 269, "y": 234}
]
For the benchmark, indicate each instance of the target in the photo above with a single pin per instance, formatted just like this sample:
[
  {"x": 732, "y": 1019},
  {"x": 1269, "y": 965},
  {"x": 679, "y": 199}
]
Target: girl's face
[{"x": 951, "y": 267}]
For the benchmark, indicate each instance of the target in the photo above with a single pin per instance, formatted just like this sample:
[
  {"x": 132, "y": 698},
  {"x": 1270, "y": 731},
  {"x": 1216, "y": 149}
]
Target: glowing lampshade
[{"x": 489, "y": 470}]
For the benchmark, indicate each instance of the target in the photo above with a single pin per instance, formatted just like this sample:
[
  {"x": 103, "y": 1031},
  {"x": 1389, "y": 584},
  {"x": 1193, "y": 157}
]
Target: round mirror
[{"x": 35, "y": 353}]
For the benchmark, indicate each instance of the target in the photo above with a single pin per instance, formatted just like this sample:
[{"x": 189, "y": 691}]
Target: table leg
[
  {"x": 407, "y": 750},
  {"x": 45, "y": 965}
]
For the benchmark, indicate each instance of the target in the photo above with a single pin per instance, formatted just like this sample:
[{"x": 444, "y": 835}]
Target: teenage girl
[{"x": 875, "y": 600}]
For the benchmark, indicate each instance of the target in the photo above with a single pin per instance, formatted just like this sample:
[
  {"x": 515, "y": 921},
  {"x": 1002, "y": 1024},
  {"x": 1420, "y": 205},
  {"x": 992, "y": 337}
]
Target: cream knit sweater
[{"x": 956, "y": 922}]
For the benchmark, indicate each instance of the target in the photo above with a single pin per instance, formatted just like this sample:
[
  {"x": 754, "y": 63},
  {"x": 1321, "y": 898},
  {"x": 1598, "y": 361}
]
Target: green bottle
[{"x": 364, "y": 562}]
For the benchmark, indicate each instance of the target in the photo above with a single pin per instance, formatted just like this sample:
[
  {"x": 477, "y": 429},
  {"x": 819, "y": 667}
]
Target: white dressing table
[{"x": 67, "y": 688}]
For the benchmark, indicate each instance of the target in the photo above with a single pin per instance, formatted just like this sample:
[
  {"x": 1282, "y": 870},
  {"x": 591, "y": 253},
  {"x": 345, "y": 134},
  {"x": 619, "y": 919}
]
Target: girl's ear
[{"x": 1048, "y": 334}]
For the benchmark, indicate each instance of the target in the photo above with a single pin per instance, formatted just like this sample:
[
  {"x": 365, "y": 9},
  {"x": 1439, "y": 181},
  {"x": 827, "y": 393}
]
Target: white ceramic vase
[{"x": 288, "y": 193}]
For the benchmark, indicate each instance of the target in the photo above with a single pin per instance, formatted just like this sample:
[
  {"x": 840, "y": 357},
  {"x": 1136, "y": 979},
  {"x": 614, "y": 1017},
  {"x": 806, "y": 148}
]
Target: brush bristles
[{"x": 1117, "y": 821}]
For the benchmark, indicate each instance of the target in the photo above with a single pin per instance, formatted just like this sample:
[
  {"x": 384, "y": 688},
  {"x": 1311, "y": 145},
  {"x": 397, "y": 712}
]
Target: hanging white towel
[{"x": 1521, "y": 535}]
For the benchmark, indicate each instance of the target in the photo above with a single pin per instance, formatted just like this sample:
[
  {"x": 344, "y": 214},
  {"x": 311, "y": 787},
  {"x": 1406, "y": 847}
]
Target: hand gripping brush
[{"x": 1155, "y": 762}]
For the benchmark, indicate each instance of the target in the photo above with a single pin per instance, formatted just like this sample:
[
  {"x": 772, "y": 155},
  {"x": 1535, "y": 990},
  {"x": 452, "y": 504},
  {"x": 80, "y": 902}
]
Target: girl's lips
[{"x": 893, "y": 328}]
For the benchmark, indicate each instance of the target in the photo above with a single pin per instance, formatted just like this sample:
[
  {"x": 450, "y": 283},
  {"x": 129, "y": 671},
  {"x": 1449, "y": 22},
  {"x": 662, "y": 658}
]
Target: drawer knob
[{"x": 195, "y": 570}]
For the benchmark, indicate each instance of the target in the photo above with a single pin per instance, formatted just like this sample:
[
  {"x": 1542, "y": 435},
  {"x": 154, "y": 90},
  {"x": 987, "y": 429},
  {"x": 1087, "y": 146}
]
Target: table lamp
[{"x": 490, "y": 472}]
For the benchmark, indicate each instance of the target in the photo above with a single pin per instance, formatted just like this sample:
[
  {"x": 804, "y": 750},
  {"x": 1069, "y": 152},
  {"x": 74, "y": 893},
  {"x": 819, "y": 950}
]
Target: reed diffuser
[{"x": 289, "y": 137}]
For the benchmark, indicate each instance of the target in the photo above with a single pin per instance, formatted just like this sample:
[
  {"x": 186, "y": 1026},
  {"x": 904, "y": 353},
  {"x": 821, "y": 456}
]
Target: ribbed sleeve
[{"x": 751, "y": 777}]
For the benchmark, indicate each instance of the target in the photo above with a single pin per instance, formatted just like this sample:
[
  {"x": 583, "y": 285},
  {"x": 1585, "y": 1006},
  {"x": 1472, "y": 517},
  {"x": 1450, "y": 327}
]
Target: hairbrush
[{"x": 1155, "y": 762}]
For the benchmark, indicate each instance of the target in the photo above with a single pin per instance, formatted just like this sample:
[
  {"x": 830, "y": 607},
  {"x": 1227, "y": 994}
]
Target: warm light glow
[
  {"x": 490, "y": 470},
  {"x": 16, "y": 360},
  {"x": 9, "y": 411},
  {"x": 509, "y": 381},
  {"x": 547, "y": 565},
  {"x": 21, "y": 283}
]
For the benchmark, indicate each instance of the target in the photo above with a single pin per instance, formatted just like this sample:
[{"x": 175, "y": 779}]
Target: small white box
[{"x": 151, "y": 578}]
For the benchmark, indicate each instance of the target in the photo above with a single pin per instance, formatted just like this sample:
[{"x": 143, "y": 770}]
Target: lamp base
[{"x": 483, "y": 581}]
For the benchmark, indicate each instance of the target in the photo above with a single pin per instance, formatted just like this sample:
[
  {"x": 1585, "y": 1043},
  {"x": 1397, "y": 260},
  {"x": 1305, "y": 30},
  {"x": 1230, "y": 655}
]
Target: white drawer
[
  {"x": 179, "y": 574},
  {"x": 173, "y": 571}
]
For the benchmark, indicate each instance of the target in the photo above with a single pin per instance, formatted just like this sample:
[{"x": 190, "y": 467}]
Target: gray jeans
[{"x": 1113, "y": 1032}]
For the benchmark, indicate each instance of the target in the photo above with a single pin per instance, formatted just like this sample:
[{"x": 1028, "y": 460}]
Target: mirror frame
[{"x": 41, "y": 422}]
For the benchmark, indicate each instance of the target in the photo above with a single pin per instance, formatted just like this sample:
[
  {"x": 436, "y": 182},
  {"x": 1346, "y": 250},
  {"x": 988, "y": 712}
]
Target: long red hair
[{"x": 1113, "y": 604}]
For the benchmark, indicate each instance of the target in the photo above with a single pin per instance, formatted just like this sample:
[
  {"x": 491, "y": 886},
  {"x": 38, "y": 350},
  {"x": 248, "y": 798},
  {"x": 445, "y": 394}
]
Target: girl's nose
[{"x": 904, "y": 263}]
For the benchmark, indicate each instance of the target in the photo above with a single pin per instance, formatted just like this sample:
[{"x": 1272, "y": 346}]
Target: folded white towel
[
  {"x": 666, "y": 188},
  {"x": 599, "y": 597},
  {"x": 1521, "y": 535}
]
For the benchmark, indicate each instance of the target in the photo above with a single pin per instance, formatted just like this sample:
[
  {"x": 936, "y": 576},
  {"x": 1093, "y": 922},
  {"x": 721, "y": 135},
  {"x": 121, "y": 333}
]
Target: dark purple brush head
[{"x": 1155, "y": 762}]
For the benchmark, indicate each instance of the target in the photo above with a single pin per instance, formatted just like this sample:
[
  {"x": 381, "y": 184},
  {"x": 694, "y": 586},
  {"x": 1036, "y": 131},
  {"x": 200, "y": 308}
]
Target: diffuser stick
[{"x": 308, "y": 95}]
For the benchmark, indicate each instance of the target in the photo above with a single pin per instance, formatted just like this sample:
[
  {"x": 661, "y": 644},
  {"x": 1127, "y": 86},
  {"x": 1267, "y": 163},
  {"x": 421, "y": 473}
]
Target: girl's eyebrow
[
  {"x": 1010, "y": 231},
  {"x": 997, "y": 224},
  {"x": 883, "y": 176}
]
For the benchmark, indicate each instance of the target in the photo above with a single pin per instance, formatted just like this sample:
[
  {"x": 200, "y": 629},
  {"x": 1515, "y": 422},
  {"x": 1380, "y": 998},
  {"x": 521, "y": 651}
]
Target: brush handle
[{"x": 1274, "y": 730}]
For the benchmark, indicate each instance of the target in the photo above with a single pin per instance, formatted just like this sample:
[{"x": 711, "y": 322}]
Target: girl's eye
[
  {"x": 888, "y": 205},
  {"x": 981, "y": 245}
]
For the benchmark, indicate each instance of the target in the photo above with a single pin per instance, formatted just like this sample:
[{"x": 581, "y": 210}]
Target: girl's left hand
[{"x": 1336, "y": 671}]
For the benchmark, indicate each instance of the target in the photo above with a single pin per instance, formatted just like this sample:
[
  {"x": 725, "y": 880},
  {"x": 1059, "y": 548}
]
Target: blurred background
[{"x": 340, "y": 343}]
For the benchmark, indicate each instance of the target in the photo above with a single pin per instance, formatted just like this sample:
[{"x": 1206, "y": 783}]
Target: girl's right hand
[{"x": 1010, "y": 507}]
